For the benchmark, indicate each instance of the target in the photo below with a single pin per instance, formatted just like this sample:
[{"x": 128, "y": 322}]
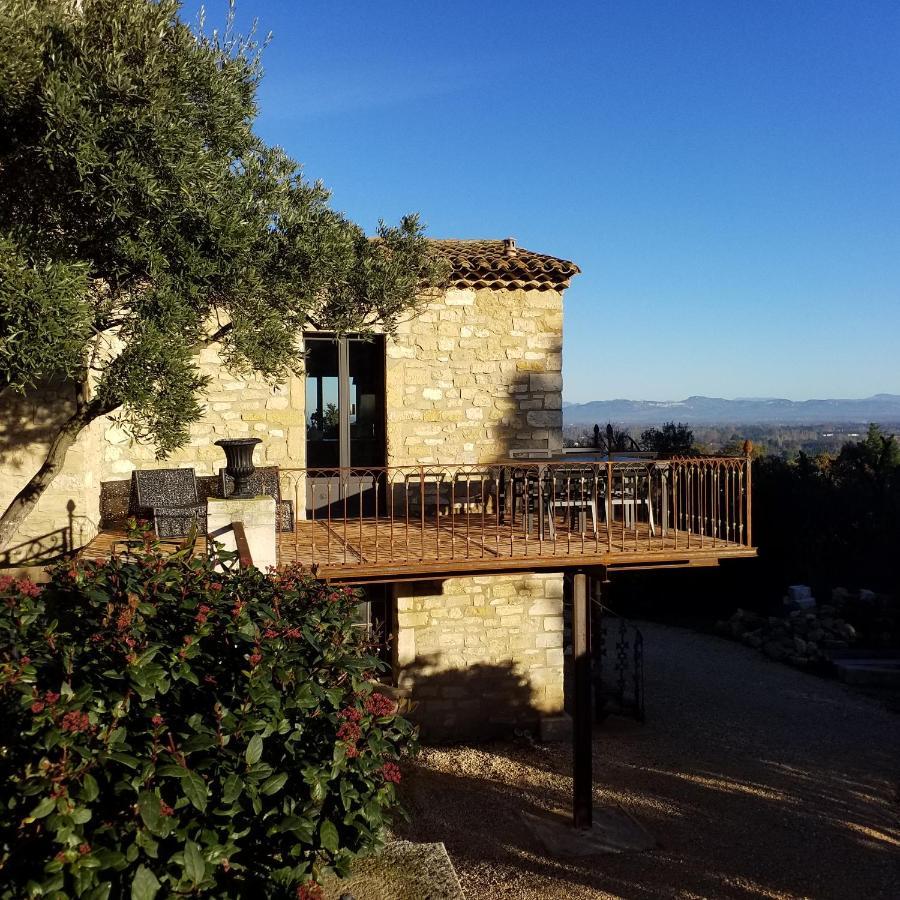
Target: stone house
[{"x": 474, "y": 377}]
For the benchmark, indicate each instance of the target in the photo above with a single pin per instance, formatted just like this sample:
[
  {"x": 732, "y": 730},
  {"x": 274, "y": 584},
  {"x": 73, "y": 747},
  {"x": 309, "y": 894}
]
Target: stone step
[{"x": 884, "y": 672}]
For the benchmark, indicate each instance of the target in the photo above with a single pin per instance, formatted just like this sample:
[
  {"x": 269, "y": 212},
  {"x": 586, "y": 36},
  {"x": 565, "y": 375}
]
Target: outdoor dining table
[{"x": 593, "y": 465}]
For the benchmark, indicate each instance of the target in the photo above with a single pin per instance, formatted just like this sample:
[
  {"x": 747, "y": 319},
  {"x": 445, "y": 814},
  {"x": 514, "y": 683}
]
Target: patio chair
[
  {"x": 573, "y": 489},
  {"x": 428, "y": 489},
  {"x": 531, "y": 496},
  {"x": 472, "y": 492},
  {"x": 168, "y": 497},
  {"x": 264, "y": 482},
  {"x": 627, "y": 499}
]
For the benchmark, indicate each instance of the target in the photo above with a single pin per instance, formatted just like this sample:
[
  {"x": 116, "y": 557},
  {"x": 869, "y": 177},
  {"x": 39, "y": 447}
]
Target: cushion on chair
[
  {"x": 165, "y": 487},
  {"x": 177, "y": 521}
]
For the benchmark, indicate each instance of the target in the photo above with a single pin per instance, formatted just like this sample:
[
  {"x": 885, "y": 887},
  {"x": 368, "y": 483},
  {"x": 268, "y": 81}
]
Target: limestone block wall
[
  {"x": 481, "y": 654},
  {"x": 235, "y": 406},
  {"x": 476, "y": 374},
  {"x": 68, "y": 512}
]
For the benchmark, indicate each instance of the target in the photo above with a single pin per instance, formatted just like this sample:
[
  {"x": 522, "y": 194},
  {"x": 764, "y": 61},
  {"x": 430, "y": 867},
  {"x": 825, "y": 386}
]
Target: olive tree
[{"x": 142, "y": 219}]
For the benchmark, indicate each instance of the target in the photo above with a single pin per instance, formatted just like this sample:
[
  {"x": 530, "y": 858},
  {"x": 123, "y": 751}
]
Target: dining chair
[{"x": 574, "y": 488}]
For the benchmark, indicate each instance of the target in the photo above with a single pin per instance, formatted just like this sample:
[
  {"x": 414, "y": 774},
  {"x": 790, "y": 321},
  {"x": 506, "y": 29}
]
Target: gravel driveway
[{"x": 757, "y": 780}]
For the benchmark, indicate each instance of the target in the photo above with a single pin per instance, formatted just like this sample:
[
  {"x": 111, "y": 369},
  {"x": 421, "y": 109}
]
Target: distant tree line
[
  {"x": 669, "y": 440},
  {"x": 832, "y": 520},
  {"x": 826, "y": 518},
  {"x": 784, "y": 441}
]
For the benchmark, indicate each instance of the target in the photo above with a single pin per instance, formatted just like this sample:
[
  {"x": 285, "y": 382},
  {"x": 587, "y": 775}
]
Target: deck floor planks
[{"x": 361, "y": 548}]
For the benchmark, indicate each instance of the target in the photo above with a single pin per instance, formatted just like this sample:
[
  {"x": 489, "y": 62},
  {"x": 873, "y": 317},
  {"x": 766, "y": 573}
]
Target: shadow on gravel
[
  {"x": 757, "y": 780},
  {"x": 775, "y": 831}
]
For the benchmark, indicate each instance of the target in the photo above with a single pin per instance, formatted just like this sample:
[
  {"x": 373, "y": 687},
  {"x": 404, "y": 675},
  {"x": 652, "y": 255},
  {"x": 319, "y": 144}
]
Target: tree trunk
[{"x": 26, "y": 500}]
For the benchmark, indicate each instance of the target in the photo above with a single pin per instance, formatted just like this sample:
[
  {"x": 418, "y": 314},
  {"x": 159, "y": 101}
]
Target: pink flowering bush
[{"x": 172, "y": 730}]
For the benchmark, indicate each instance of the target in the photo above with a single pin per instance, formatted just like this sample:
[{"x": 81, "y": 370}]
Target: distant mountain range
[{"x": 744, "y": 411}]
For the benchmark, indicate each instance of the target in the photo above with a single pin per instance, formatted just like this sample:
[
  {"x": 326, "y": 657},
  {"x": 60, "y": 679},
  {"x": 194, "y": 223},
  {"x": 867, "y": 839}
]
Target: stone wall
[
  {"x": 476, "y": 374},
  {"x": 236, "y": 406},
  {"x": 481, "y": 655}
]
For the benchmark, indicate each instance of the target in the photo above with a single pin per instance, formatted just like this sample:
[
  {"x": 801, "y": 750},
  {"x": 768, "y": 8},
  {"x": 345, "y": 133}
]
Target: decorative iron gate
[{"x": 618, "y": 670}]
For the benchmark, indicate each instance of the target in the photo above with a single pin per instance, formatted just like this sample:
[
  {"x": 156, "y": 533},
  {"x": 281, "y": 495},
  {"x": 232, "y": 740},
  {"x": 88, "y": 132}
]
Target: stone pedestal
[{"x": 258, "y": 516}]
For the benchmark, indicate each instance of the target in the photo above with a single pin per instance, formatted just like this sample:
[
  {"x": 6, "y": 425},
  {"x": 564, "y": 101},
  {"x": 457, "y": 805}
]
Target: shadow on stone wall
[
  {"x": 40, "y": 550},
  {"x": 53, "y": 546},
  {"x": 46, "y": 548},
  {"x": 480, "y": 702},
  {"x": 28, "y": 423}
]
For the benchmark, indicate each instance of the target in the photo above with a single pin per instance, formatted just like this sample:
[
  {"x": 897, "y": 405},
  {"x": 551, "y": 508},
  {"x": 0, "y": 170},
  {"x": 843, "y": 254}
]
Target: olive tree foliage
[{"x": 141, "y": 219}]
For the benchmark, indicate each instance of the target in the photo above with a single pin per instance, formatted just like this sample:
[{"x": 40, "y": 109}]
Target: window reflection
[
  {"x": 366, "y": 403},
  {"x": 322, "y": 404},
  {"x": 346, "y": 376}
]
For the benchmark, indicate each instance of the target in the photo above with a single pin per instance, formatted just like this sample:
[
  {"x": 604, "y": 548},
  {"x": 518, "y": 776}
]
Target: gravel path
[{"x": 757, "y": 780}]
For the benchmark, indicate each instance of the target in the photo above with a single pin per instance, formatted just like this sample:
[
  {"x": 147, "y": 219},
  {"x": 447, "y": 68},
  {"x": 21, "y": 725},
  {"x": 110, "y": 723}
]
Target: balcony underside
[{"x": 372, "y": 550}]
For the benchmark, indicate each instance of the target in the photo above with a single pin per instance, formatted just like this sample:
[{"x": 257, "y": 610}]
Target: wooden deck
[{"x": 368, "y": 549}]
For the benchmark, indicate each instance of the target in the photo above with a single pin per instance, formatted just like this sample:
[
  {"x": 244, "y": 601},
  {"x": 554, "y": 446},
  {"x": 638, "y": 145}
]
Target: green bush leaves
[{"x": 171, "y": 729}]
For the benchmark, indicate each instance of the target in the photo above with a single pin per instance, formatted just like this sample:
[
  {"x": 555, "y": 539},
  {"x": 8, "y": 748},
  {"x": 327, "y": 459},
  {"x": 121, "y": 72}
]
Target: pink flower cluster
[
  {"x": 76, "y": 722},
  {"x": 49, "y": 699},
  {"x": 293, "y": 633},
  {"x": 310, "y": 891},
  {"x": 378, "y": 705},
  {"x": 391, "y": 772},
  {"x": 23, "y": 586},
  {"x": 350, "y": 730}
]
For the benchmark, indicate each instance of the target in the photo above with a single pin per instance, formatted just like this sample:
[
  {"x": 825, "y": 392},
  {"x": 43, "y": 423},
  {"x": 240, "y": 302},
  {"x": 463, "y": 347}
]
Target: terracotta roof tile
[{"x": 501, "y": 264}]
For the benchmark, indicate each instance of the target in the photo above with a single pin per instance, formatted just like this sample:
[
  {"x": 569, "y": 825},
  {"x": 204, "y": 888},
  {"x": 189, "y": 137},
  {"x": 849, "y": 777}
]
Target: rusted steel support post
[{"x": 582, "y": 751}]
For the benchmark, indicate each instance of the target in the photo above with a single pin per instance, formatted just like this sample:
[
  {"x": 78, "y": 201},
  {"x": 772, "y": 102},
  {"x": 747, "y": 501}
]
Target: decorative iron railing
[{"x": 410, "y": 514}]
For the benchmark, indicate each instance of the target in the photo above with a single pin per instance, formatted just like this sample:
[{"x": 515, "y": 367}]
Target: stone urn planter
[{"x": 239, "y": 459}]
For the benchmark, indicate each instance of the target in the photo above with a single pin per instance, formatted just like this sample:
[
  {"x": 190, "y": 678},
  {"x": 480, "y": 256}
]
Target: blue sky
[{"x": 726, "y": 174}]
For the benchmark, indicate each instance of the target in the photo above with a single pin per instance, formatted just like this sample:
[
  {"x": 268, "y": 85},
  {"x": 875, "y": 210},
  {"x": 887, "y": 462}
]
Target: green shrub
[{"x": 169, "y": 729}]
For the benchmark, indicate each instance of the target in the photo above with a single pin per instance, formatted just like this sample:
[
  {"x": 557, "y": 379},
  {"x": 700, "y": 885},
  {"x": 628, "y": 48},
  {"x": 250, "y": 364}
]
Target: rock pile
[{"x": 802, "y": 638}]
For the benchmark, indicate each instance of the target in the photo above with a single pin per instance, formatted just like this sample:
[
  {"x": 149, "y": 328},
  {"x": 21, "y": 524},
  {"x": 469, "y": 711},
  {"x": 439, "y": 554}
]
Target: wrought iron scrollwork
[{"x": 618, "y": 669}]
